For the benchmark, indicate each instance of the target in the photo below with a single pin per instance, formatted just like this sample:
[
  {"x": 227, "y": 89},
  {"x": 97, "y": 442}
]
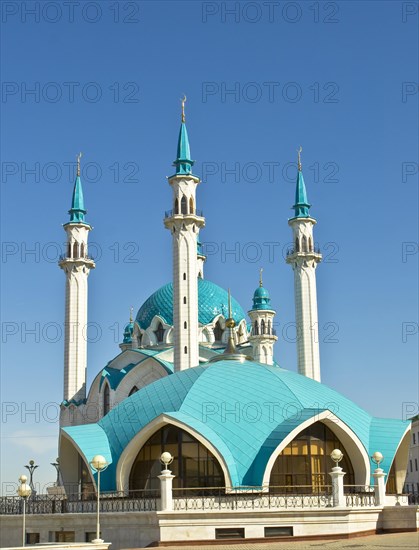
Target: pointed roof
[
  {"x": 183, "y": 160},
  {"x": 301, "y": 206},
  {"x": 77, "y": 210}
]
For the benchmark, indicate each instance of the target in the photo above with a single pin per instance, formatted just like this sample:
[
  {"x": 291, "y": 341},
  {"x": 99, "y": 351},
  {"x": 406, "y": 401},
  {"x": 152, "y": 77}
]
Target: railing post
[
  {"x": 379, "y": 486},
  {"x": 166, "y": 480},
  {"x": 337, "y": 486}
]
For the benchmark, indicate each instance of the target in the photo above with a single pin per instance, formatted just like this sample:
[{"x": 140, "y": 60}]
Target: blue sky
[{"x": 339, "y": 78}]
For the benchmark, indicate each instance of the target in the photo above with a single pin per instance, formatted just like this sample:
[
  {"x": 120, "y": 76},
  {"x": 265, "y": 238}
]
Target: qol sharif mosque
[{"x": 196, "y": 377}]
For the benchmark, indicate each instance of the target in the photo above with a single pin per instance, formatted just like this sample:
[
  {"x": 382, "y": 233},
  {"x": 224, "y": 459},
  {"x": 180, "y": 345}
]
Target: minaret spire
[
  {"x": 76, "y": 265},
  {"x": 184, "y": 223},
  {"x": 304, "y": 259}
]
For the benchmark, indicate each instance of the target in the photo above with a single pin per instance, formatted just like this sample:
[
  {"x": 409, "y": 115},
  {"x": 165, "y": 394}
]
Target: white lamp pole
[
  {"x": 166, "y": 479},
  {"x": 98, "y": 463},
  {"x": 379, "y": 483},
  {"x": 24, "y": 491},
  {"x": 337, "y": 479}
]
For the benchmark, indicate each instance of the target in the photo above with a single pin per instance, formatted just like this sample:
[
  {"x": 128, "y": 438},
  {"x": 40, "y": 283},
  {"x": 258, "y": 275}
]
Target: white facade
[
  {"x": 76, "y": 265},
  {"x": 304, "y": 260},
  {"x": 262, "y": 338},
  {"x": 184, "y": 225},
  {"x": 412, "y": 475}
]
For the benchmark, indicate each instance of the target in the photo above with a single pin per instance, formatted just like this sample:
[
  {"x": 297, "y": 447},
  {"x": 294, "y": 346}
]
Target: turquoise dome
[
  {"x": 212, "y": 301},
  {"x": 261, "y": 299},
  {"x": 259, "y": 405},
  {"x": 128, "y": 330}
]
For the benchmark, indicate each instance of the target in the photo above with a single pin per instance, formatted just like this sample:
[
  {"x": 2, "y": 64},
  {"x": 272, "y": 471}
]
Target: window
[
  {"x": 32, "y": 538},
  {"x": 279, "y": 531},
  {"x": 414, "y": 439},
  {"x": 75, "y": 250},
  {"x": 191, "y": 207},
  {"x": 68, "y": 250},
  {"x": 82, "y": 250},
  {"x": 306, "y": 461},
  {"x": 230, "y": 533},
  {"x": 262, "y": 326},
  {"x": 159, "y": 333},
  {"x": 184, "y": 299},
  {"x": 256, "y": 328},
  {"x": 185, "y": 349},
  {"x": 134, "y": 389},
  {"x": 177, "y": 206},
  {"x": 218, "y": 332},
  {"x": 183, "y": 205},
  {"x": 416, "y": 464},
  {"x": 64, "y": 536},
  {"x": 304, "y": 243},
  {"x": 106, "y": 399},
  {"x": 297, "y": 245},
  {"x": 185, "y": 325},
  {"x": 194, "y": 465},
  {"x": 411, "y": 467},
  {"x": 184, "y": 276}
]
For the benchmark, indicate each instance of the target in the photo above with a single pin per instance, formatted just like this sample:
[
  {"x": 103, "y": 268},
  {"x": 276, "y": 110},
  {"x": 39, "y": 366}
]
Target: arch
[
  {"x": 106, "y": 398},
  {"x": 183, "y": 205},
  {"x": 397, "y": 470},
  {"x": 304, "y": 243},
  {"x": 177, "y": 206},
  {"x": 68, "y": 250},
  {"x": 133, "y": 390},
  {"x": 269, "y": 327},
  {"x": 129, "y": 454},
  {"x": 256, "y": 328},
  {"x": 218, "y": 331},
  {"x": 82, "y": 250},
  {"x": 262, "y": 327},
  {"x": 191, "y": 206},
  {"x": 297, "y": 245},
  {"x": 159, "y": 333},
  {"x": 353, "y": 445},
  {"x": 75, "y": 250},
  {"x": 310, "y": 244}
]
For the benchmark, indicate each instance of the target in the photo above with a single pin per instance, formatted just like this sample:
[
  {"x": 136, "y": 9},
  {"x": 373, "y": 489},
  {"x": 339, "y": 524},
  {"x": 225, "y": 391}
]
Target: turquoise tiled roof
[
  {"x": 301, "y": 206},
  {"x": 212, "y": 301},
  {"x": 257, "y": 407},
  {"x": 77, "y": 210}
]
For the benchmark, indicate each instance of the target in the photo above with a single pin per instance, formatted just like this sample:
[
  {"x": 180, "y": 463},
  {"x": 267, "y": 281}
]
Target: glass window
[
  {"x": 194, "y": 465},
  {"x": 304, "y": 465}
]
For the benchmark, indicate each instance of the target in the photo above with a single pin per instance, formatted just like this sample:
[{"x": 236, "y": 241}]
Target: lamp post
[
  {"x": 31, "y": 468},
  {"x": 379, "y": 484},
  {"x": 56, "y": 465},
  {"x": 166, "y": 480},
  {"x": 24, "y": 491},
  {"x": 337, "y": 478},
  {"x": 98, "y": 463}
]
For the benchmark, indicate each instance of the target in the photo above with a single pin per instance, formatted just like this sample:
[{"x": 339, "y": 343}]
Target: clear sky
[{"x": 339, "y": 78}]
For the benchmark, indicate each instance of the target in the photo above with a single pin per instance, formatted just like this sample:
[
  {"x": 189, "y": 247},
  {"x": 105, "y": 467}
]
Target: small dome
[
  {"x": 128, "y": 330},
  {"x": 261, "y": 299},
  {"x": 212, "y": 301}
]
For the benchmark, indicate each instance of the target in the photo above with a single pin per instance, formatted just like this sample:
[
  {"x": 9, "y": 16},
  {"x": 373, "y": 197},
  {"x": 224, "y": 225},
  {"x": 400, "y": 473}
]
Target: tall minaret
[
  {"x": 76, "y": 265},
  {"x": 304, "y": 259},
  {"x": 184, "y": 224}
]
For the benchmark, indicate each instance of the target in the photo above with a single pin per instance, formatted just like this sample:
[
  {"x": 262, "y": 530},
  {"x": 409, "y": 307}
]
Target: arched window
[
  {"x": 256, "y": 328},
  {"x": 134, "y": 389},
  {"x": 82, "y": 250},
  {"x": 193, "y": 466},
  {"x": 297, "y": 245},
  {"x": 310, "y": 245},
  {"x": 184, "y": 205},
  {"x": 177, "y": 206},
  {"x": 184, "y": 299},
  {"x": 304, "y": 243},
  {"x": 218, "y": 332},
  {"x": 269, "y": 327},
  {"x": 68, "y": 250},
  {"x": 184, "y": 276},
  {"x": 106, "y": 399},
  {"x": 185, "y": 325},
  {"x": 304, "y": 465},
  {"x": 262, "y": 327},
  {"x": 75, "y": 250},
  {"x": 191, "y": 206},
  {"x": 185, "y": 349},
  {"x": 159, "y": 332}
]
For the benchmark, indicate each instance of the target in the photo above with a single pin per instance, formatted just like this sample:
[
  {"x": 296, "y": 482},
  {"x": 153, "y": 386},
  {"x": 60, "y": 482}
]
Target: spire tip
[
  {"x": 299, "y": 151},
  {"x": 78, "y": 164},
  {"x": 183, "y": 107},
  {"x": 260, "y": 277}
]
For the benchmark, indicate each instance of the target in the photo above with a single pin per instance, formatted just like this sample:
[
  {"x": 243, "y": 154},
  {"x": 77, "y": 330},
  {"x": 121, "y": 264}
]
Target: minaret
[
  {"x": 184, "y": 222},
  {"x": 201, "y": 258},
  {"x": 304, "y": 259},
  {"x": 76, "y": 265},
  {"x": 128, "y": 332},
  {"x": 262, "y": 336}
]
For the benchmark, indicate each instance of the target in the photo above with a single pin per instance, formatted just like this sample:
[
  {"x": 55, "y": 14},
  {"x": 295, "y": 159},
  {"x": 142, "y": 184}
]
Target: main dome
[{"x": 212, "y": 301}]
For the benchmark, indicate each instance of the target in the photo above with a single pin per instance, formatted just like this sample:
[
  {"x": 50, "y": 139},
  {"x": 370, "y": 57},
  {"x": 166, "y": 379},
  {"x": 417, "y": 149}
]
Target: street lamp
[
  {"x": 336, "y": 455},
  {"x": 31, "y": 467},
  {"x": 98, "y": 463},
  {"x": 377, "y": 457},
  {"x": 24, "y": 491},
  {"x": 166, "y": 458}
]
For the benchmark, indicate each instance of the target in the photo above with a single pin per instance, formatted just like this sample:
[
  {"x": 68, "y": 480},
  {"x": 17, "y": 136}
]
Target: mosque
[{"x": 196, "y": 377}]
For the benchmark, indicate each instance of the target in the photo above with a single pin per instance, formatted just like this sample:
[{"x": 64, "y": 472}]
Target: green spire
[
  {"x": 77, "y": 210},
  {"x": 183, "y": 160},
  {"x": 301, "y": 206}
]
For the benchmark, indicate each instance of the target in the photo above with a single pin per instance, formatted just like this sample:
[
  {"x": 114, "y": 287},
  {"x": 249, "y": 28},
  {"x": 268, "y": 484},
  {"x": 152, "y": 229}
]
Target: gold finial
[
  {"x": 299, "y": 151},
  {"x": 183, "y": 107},
  {"x": 78, "y": 163},
  {"x": 131, "y": 309},
  {"x": 260, "y": 276}
]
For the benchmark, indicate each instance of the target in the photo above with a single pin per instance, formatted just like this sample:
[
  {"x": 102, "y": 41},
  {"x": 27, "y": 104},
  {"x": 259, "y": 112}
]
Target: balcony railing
[
  {"x": 85, "y": 257},
  {"x": 170, "y": 213},
  {"x": 316, "y": 250}
]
